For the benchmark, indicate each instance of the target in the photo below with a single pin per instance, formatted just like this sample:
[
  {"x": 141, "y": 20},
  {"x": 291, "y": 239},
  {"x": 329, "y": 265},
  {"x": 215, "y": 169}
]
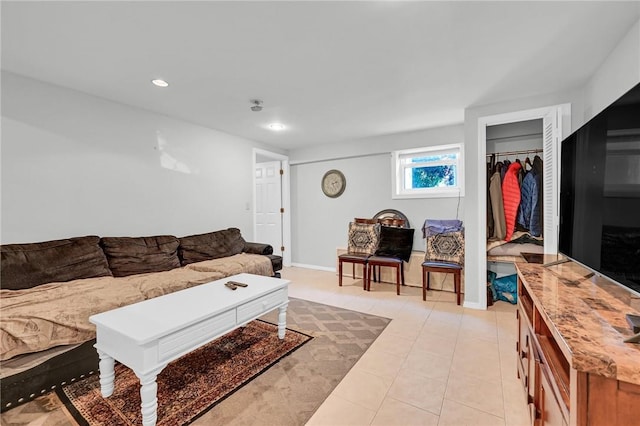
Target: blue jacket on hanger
[{"x": 529, "y": 214}]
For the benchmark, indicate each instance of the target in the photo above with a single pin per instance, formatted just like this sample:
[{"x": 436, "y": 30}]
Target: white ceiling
[{"x": 330, "y": 71}]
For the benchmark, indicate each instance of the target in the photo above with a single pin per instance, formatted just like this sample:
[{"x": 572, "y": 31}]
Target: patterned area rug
[
  {"x": 188, "y": 386},
  {"x": 287, "y": 393}
]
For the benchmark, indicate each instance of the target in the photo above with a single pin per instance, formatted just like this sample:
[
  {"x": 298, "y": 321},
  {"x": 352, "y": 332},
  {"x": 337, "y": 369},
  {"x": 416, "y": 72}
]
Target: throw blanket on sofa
[
  {"x": 236, "y": 264},
  {"x": 55, "y": 314}
]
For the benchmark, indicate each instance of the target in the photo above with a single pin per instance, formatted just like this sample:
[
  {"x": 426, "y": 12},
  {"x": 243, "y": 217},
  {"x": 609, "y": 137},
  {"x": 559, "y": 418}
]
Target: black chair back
[{"x": 395, "y": 242}]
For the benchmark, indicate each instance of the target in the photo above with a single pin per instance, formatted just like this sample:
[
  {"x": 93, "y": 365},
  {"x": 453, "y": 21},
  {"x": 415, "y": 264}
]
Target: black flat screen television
[{"x": 600, "y": 193}]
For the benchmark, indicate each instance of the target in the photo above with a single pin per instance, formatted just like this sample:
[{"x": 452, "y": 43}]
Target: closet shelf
[{"x": 515, "y": 137}]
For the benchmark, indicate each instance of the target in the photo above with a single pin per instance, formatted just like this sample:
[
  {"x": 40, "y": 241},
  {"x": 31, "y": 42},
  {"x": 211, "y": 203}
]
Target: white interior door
[
  {"x": 269, "y": 205},
  {"x": 551, "y": 135}
]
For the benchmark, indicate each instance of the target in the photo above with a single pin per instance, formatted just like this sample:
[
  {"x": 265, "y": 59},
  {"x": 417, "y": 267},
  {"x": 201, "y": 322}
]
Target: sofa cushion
[
  {"x": 29, "y": 265},
  {"x": 363, "y": 238},
  {"x": 213, "y": 245},
  {"x": 129, "y": 256}
]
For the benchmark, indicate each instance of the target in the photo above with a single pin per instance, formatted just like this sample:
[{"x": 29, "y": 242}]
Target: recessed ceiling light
[
  {"x": 276, "y": 126},
  {"x": 160, "y": 83}
]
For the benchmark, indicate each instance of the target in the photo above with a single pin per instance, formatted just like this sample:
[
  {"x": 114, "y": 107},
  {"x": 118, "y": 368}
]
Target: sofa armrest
[{"x": 257, "y": 248}]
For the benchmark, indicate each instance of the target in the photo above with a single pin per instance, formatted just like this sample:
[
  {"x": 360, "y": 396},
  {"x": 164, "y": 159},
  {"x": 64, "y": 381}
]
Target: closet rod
[{"x": 526, "y": 151}]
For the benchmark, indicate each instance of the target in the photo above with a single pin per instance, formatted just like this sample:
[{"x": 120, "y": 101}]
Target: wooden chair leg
[
  {"x": 369, "y": 276},
  {"x": 402, "y": 272},
  {"x": 424, "y": 283},
  {"x": 353, "y": 270},
  {"x": 364, "y": 276},
  {"x": 340, "y": 272},
  {"x": 456, "y": 282},
  {"x": 398, "y": 280}
]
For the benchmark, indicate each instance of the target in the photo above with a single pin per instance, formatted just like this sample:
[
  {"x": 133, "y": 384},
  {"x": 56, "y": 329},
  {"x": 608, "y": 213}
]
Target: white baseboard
[
  {"x": 316, "y": 267},
  {"x": 474, "y": 305}
]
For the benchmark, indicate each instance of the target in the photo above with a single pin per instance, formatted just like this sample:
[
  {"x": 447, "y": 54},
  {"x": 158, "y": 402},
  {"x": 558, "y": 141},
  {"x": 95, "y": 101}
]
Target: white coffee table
[{"x": 146, "y": 336}]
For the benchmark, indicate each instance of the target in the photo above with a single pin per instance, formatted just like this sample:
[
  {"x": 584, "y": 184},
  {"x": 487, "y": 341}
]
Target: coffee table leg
[
  {"x": 282, "y": 320},
  {"x": 148, "y": 395},
  {"x": 107, "y": 374}
]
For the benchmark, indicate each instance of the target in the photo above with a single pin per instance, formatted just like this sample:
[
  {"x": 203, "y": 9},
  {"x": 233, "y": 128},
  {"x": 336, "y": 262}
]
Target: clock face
[{"x": 333, "y": 183}]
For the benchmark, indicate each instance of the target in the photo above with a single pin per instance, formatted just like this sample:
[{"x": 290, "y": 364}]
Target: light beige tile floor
[{"x": 435, "y": 364}]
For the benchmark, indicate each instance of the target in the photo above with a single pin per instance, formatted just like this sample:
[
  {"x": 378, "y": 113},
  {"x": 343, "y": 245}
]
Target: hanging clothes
[
  {"x": 529, "y": 215},
  {"x": 538, "y": 167},
  {"x": 490, "y": 166},
  {"x": 511, "y": 198},
  {"x": 505, "y": 167},
  {"x": 497, "y": 206}
]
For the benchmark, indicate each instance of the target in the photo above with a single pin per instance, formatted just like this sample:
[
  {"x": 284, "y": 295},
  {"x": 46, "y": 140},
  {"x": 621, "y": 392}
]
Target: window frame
[{"x": 398, "y": 170}]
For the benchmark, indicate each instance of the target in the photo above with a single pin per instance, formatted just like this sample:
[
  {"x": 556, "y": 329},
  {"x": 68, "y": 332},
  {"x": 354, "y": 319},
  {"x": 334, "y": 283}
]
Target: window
[{"x": 435, "y": 171}]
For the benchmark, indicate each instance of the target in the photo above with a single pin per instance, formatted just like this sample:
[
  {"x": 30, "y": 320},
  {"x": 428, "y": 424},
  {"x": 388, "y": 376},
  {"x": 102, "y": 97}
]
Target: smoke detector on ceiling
[{"x": 256, "y": 105}]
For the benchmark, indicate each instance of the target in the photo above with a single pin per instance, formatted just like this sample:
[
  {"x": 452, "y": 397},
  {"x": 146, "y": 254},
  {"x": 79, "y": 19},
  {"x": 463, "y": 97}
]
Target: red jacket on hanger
[{"x": 511, "y": 198}]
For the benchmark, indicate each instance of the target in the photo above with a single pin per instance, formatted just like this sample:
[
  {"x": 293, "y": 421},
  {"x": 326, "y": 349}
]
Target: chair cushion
[
  {"x": 384, "y": 260},
  {"x": 362, "y": 258},
  {"x": 446, "y": 247},
  {"x": 395, "y": 242},
  {"x": 139, "y": 255},
  {"x": 441, "y": 265},
  {"x": 363, "y": 238}
]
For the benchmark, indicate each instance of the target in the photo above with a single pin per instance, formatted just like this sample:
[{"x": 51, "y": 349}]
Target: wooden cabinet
[
  {"x": 551, "y": 410},
  {"x": 569, "y": 372},
  {"x": 539, "y": 364}
]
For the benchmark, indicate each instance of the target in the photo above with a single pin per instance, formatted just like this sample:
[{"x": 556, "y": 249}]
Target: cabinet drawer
[
  {"x": 259, "y": 306},
  {"x": 550, "y": 405},
  {"x": 187, "y": 339}
]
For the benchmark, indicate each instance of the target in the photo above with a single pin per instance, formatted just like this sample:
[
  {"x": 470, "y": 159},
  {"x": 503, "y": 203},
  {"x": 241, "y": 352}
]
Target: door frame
[
  {"x": 286, "y": 199},
  {"x": 564, "y": 113}
]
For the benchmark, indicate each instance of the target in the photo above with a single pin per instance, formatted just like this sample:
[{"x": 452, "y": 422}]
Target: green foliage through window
[
  {"x": 434, "y": 176},
  {"x": 433, "y": 171}
]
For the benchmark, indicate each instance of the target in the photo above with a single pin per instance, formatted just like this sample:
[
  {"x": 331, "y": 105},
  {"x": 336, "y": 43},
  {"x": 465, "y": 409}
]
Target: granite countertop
[{"x": 586, "y": 315}]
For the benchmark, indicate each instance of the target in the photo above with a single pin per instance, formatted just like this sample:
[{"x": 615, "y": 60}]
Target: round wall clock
[{"x": 333, "y": 183}]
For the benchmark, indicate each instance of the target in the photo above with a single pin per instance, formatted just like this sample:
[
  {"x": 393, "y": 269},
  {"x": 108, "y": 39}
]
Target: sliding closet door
[{"x": 551, "y": 134}]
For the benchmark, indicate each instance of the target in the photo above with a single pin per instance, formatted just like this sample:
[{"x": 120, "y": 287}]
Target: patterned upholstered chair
[
  {"x": 444, "y": 253},
  {"x": 363, "y": 242}
]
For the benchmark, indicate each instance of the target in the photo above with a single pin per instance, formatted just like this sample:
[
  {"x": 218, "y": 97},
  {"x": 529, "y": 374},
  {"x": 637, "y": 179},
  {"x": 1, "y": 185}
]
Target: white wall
[
  {"x": 320, "y": 223},
  {"x": 619, "y": 72},
  {"x": 74, "y": 164}
]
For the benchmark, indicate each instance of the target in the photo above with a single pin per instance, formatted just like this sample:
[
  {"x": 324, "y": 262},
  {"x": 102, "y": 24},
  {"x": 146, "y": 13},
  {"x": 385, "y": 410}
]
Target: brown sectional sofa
[{"x": 50, "y": 289}]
